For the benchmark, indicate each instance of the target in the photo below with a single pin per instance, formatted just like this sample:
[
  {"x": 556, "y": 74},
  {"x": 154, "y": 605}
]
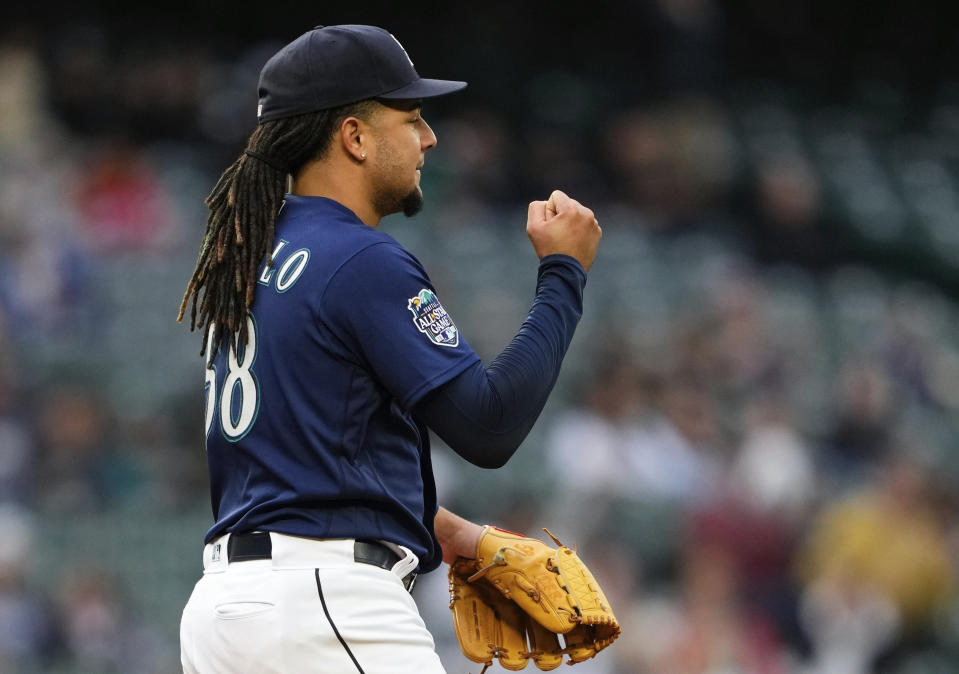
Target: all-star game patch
[{"x": 431, "y": 319}]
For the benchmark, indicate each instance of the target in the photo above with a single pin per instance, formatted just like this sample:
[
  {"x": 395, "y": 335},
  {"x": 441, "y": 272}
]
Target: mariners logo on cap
[
  {"x": 431, "y": 319},
  {"x": 403, "y": 48}
]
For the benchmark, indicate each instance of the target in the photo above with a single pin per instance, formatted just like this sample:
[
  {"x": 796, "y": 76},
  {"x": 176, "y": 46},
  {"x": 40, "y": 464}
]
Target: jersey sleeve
[
  {"x": 381, "y": 304},
  {"x": 484, "y": 414}
]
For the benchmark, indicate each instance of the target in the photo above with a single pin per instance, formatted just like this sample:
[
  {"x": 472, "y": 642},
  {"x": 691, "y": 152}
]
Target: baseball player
[{"x": 329, "y": 354}]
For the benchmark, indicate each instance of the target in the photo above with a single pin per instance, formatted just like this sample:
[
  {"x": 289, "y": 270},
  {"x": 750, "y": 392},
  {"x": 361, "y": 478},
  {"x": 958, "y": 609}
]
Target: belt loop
[
  {"x": 214, "y": 554},
  {"x": 406, "y": 564}
]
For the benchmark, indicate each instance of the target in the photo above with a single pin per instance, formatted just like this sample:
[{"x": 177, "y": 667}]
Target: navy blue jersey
[{"x": 309, "y": 429}]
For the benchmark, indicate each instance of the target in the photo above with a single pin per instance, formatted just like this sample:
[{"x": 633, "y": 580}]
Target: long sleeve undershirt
[{"x": 484, "y": 413}]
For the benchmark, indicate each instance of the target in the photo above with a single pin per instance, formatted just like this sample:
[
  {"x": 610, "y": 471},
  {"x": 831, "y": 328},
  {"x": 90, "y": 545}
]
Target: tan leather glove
[{"x": 518, "y": 594}]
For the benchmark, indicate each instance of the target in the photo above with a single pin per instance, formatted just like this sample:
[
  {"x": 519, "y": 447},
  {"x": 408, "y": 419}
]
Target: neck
[{"x": 341, "y": 182}]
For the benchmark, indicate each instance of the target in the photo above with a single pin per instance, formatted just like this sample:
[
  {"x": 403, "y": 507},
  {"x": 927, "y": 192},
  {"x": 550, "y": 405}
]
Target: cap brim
[{"x": 424, "y": 88}]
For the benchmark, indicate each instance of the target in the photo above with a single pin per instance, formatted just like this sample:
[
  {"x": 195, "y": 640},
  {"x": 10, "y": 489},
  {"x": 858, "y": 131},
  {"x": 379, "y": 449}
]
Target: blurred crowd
[{"x": 754, "y": 440}]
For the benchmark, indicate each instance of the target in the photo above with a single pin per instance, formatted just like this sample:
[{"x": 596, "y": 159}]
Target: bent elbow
[
  {"x": 496, "y": 457},
  {"x": 487, "y": 455}
]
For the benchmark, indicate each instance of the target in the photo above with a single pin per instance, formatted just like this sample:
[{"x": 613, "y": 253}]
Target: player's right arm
[{"x": 484, "y": 413}]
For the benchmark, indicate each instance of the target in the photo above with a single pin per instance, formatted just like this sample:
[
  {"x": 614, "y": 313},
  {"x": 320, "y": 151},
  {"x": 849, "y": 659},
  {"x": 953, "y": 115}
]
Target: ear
[{"x": 355, "y": 137}]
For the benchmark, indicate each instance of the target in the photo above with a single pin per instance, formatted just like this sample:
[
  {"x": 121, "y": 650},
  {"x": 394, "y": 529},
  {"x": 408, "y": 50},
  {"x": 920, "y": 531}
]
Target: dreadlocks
[{"x": 243, "y": 207}]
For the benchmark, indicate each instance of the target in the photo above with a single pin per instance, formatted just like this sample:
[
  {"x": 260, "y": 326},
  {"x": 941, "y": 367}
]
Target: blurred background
[{"x": 754, "y": 440}]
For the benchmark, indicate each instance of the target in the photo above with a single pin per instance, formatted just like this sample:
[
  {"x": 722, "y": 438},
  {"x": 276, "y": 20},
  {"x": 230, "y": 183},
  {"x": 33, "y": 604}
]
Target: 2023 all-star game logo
[{"x": 431, "y": 319}]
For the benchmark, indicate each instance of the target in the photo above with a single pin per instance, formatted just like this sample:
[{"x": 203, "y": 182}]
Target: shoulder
[
  {"x": 335, "y": 232},
  {"x": 380, "y": 255}
]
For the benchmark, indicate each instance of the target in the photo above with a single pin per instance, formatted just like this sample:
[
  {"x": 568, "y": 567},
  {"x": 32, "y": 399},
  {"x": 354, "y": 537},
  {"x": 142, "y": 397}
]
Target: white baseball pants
[{"x": 310, "y": 609}]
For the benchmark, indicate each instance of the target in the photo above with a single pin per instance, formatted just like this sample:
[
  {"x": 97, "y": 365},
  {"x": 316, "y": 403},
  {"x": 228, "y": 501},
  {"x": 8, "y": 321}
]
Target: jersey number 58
[{"x": 239, "y": 398}]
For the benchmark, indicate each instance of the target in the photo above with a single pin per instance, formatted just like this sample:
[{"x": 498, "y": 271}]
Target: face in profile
[{"x": 401, "y": 139}]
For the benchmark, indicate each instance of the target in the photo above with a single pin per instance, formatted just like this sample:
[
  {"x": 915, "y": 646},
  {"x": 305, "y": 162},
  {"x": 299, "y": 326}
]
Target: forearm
[
  {"x": 457, "y": 536},
  {"x": 485, "y": 413},
  {"x": 524, "y": 372}
]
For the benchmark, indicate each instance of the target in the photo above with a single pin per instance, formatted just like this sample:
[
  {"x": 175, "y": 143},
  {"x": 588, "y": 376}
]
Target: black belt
[{"x": 257, "y": 545}]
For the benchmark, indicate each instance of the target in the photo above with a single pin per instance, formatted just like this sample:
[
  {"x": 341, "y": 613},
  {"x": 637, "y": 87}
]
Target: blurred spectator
[
  {"x": 43, "y": 273},
  {"x": 23, "y": 113},
  {"x": 43, "y": 283},
  {"x": 789, "y": 213},
  {"x": 81, "y": 471},
  {"x": 73, "y": 433},
  {"x": 18, "y": 451},
  {"x": 677, "y": 457},
  {"x": 674, "y": 162},
  {"x": 744, "y": 358},
  {"x": 848, "y": 627},
  {"x": 876, "y": 567},
  {"x": 914, "y": 319},
  {"x": 167, "y": 462},
  {"x": 707, "y": 630},
  {"x": 759, "y": 548},
  {"x": 770, "y": 490},
  {"x": 100, "y": 632},
  {"x": 625, "y": 447},
  {"x": 121, "y": 202},
  {"x": 860, "y": 435},
  {"x": 603, "y": 432},
  {"x": 27, "y": 630},
  {"x": 773, "y": 471},
  {"x": 788, "y": 193}
]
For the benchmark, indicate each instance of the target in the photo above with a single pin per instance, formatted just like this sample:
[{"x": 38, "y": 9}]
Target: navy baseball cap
[{"x": 331, "y": 66}]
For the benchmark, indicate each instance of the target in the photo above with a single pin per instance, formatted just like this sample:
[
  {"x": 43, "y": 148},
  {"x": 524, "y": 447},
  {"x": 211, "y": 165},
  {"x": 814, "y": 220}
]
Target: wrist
[
  {"x": 457, "y": 537},
  {"x": 469, "y": 538},
  {"x": 554, "y": 258},
  {"x": 561, "y": 259}
]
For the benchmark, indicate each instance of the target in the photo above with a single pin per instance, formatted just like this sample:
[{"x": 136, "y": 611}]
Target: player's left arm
[{"x": 457, "y": 536}]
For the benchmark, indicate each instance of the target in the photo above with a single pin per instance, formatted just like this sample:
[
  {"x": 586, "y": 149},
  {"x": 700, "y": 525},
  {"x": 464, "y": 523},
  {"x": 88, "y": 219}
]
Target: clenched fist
[{"x": 563, "y": 226}]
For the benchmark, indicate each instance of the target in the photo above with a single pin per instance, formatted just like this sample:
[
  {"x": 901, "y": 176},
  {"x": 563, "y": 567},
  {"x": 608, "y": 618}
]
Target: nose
[{"x": 427, "y": 138}]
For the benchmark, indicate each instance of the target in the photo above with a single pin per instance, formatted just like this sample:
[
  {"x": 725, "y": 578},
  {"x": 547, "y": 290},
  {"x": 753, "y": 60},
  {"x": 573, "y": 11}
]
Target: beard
[
  {"x": 413, "y": 203},
  {"x": 409, "y": 204},
  {"x": 388, "y": 197}
]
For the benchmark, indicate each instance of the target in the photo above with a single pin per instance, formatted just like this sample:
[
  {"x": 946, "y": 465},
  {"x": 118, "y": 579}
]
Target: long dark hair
[{"x": 243, "y": 208}]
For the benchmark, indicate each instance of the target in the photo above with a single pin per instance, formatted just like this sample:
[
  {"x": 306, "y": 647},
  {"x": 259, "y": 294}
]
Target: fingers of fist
[
  {"x": 538, "y": 212},
  {"x": 559, "y": 201}
]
